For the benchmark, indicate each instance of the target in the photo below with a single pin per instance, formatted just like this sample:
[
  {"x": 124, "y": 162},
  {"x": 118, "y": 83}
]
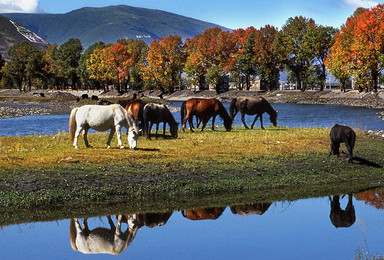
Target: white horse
[
  {"x": 102, "y": 118},
  {"x": 102, "y": 240}
]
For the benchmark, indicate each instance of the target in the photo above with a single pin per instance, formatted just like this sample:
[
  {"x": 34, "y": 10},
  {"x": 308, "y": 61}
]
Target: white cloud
[
  {"x": 19, "y": 6},
  {"x": 361, "y": 3}
]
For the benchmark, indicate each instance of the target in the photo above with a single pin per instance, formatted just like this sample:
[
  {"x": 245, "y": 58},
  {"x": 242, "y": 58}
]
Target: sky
[{"x": 228, "y": 13}]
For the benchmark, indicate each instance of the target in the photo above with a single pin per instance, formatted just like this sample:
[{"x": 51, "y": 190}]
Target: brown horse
[
  {"x": 204, "y": 109},
  {"x": 340, "y": 217},
  {"x": 252, "y": 106},
  {"x": 135, "y": 107},
  {"x": 342, "y": 134},
  {"x": 258, "y": 208},
  {"x": 202, "y": 214}
]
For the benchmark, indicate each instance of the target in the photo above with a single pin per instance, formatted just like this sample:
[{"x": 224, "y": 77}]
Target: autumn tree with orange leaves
[
  {"x": 165, "y": 63},
  {"x": 360, "y": 45}
]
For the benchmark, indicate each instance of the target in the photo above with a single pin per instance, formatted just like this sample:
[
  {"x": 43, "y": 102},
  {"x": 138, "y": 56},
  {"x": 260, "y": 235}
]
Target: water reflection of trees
[{"x": 373, "y": 198}]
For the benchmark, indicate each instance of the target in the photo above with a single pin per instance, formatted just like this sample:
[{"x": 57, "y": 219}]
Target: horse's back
[{"x": 100, "y": 118}]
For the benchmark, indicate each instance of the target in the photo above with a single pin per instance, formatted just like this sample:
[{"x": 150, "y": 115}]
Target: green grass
[{"x": 46, "y": 174}]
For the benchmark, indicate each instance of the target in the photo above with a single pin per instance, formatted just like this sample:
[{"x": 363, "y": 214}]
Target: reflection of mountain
[{"x": 374, "y": 198}]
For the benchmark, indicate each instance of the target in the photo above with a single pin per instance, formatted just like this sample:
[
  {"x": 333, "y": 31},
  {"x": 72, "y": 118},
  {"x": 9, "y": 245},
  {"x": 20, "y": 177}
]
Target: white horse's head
[{"x": 132, "y": 137}]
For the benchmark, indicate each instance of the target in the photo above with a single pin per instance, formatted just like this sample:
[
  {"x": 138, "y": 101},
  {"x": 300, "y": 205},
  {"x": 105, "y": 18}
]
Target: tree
[
  {"x": 138, "y": 51},
  {"x": 25, "y": 64},
  {"x": 289, "y": 46},
  {"x": 318, "y": 42},
  {"x": 243, "y": 64},
  {"x": 84, "y": 73},
  {"x": 69, "y": 53},
  {"x": 166, "y": 62},
  {"x": 267, "y": 59}
]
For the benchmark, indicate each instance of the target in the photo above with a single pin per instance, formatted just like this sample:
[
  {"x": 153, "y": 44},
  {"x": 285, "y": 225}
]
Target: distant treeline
[{"x": 304, "y": 50}]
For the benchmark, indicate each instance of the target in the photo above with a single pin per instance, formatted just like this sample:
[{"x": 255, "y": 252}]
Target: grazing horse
[
  {"x": 204, "y": 109},
  {"x": 102, "y": 118},
  {"x": 156, "y": 114},
  {"x": 152, "y": 220},
  {"x": 342, "y": 134},
  {"x": 252, "y": 106},
  {"x": 135, "y": 108},
  {"x": 102, "y": 240},
  {"x": 340, "y": 217},
  {"x": 202, "y": 214}
]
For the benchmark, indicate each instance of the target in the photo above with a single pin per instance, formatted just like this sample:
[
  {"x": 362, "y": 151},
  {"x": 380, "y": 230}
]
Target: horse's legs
[
  {"x": 350, "y": 151},
  {"x": 86, "y": 138},
  {"x": 254, "y": 121},
  {"x": 118, "y": 133},
  {"x": 213, "y": 123},
  {"x": 261, "y": 121},
  {"x": 205, "y": 121},
  {"x": 157, "y": 129},
  {"x": 243, "y": 120},
  {"x": 77, "y": 133},
  {"x": 110, "y": 137},
  {"x": 164, "y": 129}
]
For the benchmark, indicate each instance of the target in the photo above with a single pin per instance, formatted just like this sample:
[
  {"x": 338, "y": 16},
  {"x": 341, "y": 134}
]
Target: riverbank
[
  {"x": 14, "y": 104},
  {"x": 43, "y": 173}
]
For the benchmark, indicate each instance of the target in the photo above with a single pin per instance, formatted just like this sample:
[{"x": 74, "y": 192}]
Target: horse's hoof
[
  {"x": 108, "y": 147},
  {"x": 76, "y": 147},
  {"x": 122, "y": 147}
]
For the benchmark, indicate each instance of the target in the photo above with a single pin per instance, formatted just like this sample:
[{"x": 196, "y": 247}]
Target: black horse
[
  {"x": 342, "y": 134},
  {"x": 155, "y": 114}
]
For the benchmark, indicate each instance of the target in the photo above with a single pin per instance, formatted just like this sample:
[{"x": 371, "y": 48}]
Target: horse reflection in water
[
  {"x": 152, "y": 220},
  {"x": 103, "y": 240},
  {"x": 339, "y": 217},
  {"x": 202, "y": 214},
  {"x": 244, "y": 210}
]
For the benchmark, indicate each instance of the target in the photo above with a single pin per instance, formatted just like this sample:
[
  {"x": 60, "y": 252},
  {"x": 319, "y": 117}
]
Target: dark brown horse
[
  {"x": 156, "y": 114},
  {"x": 252, "y": 106},
  {"x": 342, "y": 134},
  {"x": 258, "y": 208},
  {"x": 204, "y": 109},
  {"x": 202, "y": 214},
  {"x": 340, "y": 217},
  {"x": 135, "y": 108}
]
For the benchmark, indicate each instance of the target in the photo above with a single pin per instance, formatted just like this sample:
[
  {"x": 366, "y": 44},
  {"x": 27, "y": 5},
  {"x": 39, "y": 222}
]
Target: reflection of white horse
[
  {"x": 102, "y": 118},
  {"x": 102, "y": 240}
]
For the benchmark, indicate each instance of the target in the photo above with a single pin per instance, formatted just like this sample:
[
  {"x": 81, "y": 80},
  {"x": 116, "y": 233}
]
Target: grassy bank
[{"x": 38, "y": 173}]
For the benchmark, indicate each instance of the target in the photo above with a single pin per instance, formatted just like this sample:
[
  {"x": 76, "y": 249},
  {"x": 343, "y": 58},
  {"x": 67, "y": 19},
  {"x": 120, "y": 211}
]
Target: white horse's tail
[{"x": 72, "y": 124}]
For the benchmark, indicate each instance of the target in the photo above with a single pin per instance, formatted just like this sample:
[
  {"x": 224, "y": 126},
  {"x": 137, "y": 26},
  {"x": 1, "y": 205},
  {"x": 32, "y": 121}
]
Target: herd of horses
[{"x": 137, "y": 115}]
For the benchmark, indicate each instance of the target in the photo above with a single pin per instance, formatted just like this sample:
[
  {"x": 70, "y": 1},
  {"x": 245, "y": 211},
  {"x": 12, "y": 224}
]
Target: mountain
[
  {"x": 12, "y": 33},
  {"x": 108, "y": 24}
]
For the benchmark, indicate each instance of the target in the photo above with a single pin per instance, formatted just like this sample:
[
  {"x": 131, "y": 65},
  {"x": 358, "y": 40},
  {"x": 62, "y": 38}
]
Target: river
[{"x": 290, "y": 115}]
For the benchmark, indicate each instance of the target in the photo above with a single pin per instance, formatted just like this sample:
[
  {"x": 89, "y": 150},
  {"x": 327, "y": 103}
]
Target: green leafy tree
[
  {"x": 289, "y": 44},
  {"x": 69, "y": 53},
  {"x": 318, "y": 42},
  {"x": 25, "y": 64}
]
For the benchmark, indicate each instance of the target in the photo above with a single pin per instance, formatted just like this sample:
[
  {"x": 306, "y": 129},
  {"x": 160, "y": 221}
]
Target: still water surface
[
  {"x": 290, "y": 115},
  {"x": 301, "y": 229}
]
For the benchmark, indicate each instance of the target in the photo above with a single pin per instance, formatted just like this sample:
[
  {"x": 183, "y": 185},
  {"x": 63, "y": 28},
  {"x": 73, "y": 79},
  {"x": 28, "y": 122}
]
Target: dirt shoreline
[{"x": 14, "y": 104}]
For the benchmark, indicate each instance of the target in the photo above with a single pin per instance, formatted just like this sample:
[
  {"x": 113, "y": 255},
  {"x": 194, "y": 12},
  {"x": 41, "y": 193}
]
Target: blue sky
[{"x": 228, "y": 13}]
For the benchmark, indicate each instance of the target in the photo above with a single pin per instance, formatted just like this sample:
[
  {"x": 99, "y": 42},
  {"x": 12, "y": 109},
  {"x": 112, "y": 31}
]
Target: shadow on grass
[{"x": 366, "y": 162}]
